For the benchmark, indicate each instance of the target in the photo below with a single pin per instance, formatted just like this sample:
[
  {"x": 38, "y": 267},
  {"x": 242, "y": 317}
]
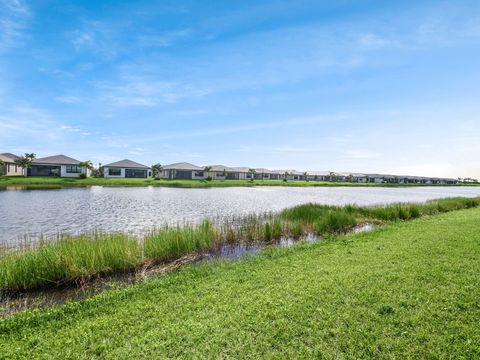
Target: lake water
[{"x": 31, "y": 213}]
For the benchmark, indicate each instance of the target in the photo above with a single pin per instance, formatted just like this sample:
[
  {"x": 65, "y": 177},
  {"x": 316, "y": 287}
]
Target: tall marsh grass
[
  {"x": 70, "y": 259},
  {"x": 67, "y": 260},
  {"x": 172, "y": 242}
]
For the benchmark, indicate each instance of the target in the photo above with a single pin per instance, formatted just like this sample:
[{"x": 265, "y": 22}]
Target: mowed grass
[
  {"x": 57, "y": 182},
  {"x": 408, "y": 290},
  {"x": 76, "y": 259}
]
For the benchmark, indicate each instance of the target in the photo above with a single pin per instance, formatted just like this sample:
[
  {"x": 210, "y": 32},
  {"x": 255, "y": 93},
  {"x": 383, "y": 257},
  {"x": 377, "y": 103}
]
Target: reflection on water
[{"x": 29, "y": 213}]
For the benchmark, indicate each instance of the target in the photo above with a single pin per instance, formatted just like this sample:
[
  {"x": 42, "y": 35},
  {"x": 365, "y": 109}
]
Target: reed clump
[
  {"x": 173, "y": 242},
  {"x": 69, "y": 259}
]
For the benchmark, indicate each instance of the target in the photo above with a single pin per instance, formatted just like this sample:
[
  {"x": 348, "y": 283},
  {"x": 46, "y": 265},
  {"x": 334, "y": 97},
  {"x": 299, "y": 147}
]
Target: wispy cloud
[
  {"x": 96, "y": 38},
  {"x": 165, "y": 39},
  {"x": 144, "y": 91},
  {"x": 68, "y": 99},
  {"x": 14, "y": 15}
]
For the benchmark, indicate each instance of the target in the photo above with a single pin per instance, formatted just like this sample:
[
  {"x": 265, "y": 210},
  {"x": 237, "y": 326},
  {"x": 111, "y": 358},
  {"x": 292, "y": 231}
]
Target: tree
[
  {"x": 305, "y": 174},
  {"x": 2, "y": 163},
  {"x": 224, "y": 173},
  {"x": 86, "y": 166},
  {"x": 286, "y": 175},
  {"x": 25, "y": 161},
  {"x": 350, "y": 177},
  {"x": 157, "y": 169},
  {"x": 208, "y": 169},
  {"x": 252, "y": 173},
  {"x": 333, "y": 176}
]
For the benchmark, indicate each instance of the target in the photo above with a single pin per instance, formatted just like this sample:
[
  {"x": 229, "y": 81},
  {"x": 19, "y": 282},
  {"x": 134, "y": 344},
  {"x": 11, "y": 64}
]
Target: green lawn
[
  {"x": 65, "y": 182},
  {"x": 409, "y": 290}
]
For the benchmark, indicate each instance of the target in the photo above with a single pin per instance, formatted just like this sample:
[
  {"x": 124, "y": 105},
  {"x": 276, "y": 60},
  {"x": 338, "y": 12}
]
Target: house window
[
  {"x": 114, "y": 172},
  {"x": 220, "y": 174},
  {"x": 198, "y": 173},
  {"x": 265, "y": 175},
  {"x": 248, "y": 176},
  {"x": 74, "y": 169}
]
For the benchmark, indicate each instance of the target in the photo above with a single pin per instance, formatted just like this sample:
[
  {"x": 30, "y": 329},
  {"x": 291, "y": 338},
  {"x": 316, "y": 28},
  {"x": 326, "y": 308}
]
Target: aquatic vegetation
[
  {"x": 172, "y": 242},
  {"x": 69, "y": 259},
  {"x": 74, "y": 259}
]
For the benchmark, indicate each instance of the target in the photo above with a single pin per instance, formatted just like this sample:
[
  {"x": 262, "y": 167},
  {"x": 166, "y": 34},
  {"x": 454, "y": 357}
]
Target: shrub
[{"x": 82, "y": 176}]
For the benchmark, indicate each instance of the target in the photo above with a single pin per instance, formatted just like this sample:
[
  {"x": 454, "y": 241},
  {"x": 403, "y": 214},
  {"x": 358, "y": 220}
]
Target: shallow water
[{"x": 27, "y": 214}]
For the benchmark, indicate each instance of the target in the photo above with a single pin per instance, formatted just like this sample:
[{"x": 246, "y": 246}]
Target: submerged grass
[{"x": 73, "y": 259}]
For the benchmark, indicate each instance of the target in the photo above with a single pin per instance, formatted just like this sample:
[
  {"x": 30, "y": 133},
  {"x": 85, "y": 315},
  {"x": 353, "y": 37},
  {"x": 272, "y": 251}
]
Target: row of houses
[
  {"x": 220, "y": 172},
  {"x": 64, "y": 166}
]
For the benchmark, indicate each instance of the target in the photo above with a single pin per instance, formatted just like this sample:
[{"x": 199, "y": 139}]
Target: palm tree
[
  {"x": 350, "y": 177},
  {"x": 87, "y": 165},
  {"x": 286, "y": 175},
  {"x": 157, "y": 169},
  {"x": 305, "y": 174},
  {"x": 2, "y": 163},
  {"x": 252, "y": 173},
  {"x": 208, "y": 169},
  {"x": 25, "y": 161}
]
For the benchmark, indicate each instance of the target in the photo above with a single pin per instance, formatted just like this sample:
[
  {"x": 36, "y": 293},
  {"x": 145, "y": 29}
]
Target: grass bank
[
  {"x": 407, "y": 290},
  {"x": 75, "y": 259},
  {"x": 56, "y": 182}
]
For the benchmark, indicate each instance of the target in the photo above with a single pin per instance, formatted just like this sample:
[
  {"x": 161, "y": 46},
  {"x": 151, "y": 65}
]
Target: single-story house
[
  {"x": 217, "y": 172},
  {"x": 9, "y": 168},
  {"x": 239, "y": 173},
  {"x": 262, "y": 174},
  {"x": 126, "y": 169},
  {"x": 184, "y": 171},
  {"x": 57, "y": 165}
]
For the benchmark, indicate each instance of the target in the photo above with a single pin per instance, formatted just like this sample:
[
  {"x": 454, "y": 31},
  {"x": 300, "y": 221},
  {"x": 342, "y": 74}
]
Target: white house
[
  {"x": 57, "y": 165},
  {"x": 184, "y": 171},
  {"x": 126, "y": 169}
]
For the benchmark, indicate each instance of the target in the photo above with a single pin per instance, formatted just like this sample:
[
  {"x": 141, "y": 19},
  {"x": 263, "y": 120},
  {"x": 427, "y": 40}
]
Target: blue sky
[{"x": 366, "y": 86}]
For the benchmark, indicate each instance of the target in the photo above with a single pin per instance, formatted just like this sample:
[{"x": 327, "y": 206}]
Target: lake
[{"x": 27, "y": 214}]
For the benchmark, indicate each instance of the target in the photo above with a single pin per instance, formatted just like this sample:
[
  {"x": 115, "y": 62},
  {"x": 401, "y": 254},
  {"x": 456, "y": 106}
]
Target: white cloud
[{"x": 13, "y": 22}]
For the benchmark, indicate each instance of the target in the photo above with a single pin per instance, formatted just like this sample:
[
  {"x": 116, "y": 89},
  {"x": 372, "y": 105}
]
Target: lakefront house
[
  {"x": 126, "y": 169},
  {"x": 57, "y": 165},
  {"x": 8, "y": 166}
]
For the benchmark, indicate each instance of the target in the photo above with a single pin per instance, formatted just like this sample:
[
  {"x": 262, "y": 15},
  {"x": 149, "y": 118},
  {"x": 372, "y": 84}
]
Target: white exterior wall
[
  {"x": 362, "y": 179},
  {"x": 195, "y": 177},
  {"x": 122, "y": 173},
  {"x": 63, "y": 172}
]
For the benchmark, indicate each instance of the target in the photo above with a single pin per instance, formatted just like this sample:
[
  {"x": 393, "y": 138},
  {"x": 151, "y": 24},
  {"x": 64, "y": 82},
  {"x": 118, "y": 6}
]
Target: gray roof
[
  {"x": 57, "y": 160},
  {"x": 218, "y": 167},
  {"x": 8, "y": 157},
  {"x": 182, "y": 166},
  {"x": 241, "y": 169},
  {"x": 126, "y": 164}
]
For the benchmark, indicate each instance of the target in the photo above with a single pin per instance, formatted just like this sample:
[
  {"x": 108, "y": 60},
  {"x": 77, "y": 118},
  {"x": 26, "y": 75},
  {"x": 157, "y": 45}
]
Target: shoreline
[
  {"x": 370, "y": 295},
  {"x": 56, "y": 183}
]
